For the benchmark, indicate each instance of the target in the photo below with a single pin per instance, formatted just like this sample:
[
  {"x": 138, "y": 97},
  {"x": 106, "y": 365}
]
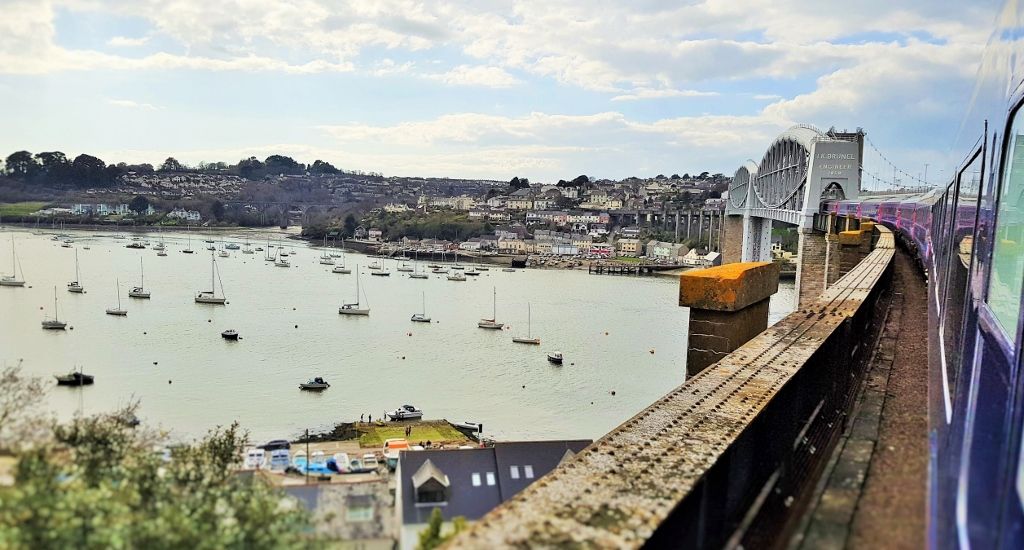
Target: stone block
[{"x": 729, "y": 287}]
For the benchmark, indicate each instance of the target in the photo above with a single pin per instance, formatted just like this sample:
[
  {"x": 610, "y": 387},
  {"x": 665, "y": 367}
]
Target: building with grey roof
[{"x": 469, "y": 482}]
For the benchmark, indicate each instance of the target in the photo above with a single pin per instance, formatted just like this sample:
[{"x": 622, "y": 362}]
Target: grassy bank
[
  {"x": 18, "y": 209},
  {"x": 373, "y": 435}
]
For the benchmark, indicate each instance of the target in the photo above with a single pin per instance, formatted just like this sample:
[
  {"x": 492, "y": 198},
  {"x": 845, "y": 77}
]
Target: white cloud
[
  {"x": 127, "y": 42},
  {"x": 659, "y": 93},
  {"x": 133, "y": 104},
  {"x": 487, "y": 77}
]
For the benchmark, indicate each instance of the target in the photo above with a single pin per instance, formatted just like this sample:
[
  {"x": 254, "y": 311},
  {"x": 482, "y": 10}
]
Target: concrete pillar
[
  {"x": 810, "y": 269},
  {"x": 732, "y": 239},
  {"x": 687, "y": 225},
  {"x": 728, "y": 306},
  {"x": 700, "y": 227},
  {"x": 677, "y": 226}
]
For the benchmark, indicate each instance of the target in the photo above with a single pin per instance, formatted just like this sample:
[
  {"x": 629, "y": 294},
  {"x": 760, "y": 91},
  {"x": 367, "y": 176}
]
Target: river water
[{"x": 621, "y": 334}]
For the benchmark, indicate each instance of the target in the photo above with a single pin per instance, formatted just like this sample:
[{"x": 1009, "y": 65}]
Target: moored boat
[
  {"x": 555, "y": 357},
  {"x": 229, "y": 334},
  {"x": 315, "y": 384},
  {"x": 74, "y": 378},
  {"x": 405, "y": 412},
  {"x": 492, "y": 323}
]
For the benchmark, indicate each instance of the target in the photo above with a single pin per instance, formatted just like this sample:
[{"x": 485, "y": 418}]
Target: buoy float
[
  {"x": 296, "y": 326},
  {"x": 606, "y": 333},
  {"x": 154, "y": 362},
  {"x": 613, "y": 392},
  {"x": 168, "y": 381},
  {"x": 524, "y": 386},
  {"x": 144, "y": 332},
  {"x": 652, "y": 351},
  {"x": 209, "y": 320}
]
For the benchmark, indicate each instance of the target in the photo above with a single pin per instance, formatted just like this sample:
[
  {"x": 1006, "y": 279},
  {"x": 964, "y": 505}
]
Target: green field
[
  {"x": 374, "y": 435},
  {"x": 17, "y": 209},
  {"x": 627, "y": 260}
]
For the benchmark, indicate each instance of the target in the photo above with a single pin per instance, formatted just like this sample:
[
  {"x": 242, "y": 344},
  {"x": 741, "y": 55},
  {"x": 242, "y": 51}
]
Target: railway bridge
[{"x": 802, "y": 167}]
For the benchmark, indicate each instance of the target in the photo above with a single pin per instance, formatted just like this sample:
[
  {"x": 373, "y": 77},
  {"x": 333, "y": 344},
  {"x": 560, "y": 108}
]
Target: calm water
[{"x": 288, "y": 319}]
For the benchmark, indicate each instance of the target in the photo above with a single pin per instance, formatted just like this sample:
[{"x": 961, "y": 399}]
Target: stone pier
[{"x": 728, "y": 306}]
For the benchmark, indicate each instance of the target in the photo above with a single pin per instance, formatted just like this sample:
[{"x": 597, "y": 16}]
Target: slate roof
[{"x": 459, "y": 465}]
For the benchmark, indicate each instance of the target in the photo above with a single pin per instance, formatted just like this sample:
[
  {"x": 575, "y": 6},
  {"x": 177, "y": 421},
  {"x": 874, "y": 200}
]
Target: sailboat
[
  {"x": 75, "y": 286},
  {"x": 282, "y": 260},
  {"x": 140, "y": 291},
  {"x": 416, "y": 273},
  {"x": 55, "y": 323},
  {"x": 340, "y": 268},
  {"x": 355, "y": 309},
  {"x": 382, "y": 271},
  {"x": 188, "y": 249},
  {"x": 326, "y": 258},
  {"x": 269, "y": 256},
  {"x": 210, "y": 296},
  {"x": 12, "y": 279},
  {"x": 422, "y": 317},
  {"x": 492, "y": 323},
  {"x": 117, "y": 311},
  {"x": 247, "y": 249},
  {"x": 529, "y": 339}
]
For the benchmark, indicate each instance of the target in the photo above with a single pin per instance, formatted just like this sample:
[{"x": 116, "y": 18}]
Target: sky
[{"x": 545, "y": 89}]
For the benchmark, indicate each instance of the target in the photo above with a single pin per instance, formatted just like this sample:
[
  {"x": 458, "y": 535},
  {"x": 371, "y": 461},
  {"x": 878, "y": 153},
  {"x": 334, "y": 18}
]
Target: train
[{"x": 967, "y": 235}]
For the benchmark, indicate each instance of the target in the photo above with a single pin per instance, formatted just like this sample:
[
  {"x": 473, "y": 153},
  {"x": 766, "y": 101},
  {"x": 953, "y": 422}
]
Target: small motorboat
[
  {"x": 555, "y": 357},
  {"x": 232, "y": 246},
  {"x": 229, "y": 334},
  {"x": 472, "y": 272},
  {"x": 509, "y": 270},
  {"x": 326, "y": 260},
  {"x": 457, "y": 276},
  {"x": 315, "y": 384},
  {"x": 161, "y": 253},
  {"x": 381, "y": 273},
  {"x": 405, "y": 412},
  {"x": 418, "y": 276},
  {"x": 341, "y": 269},
  {"x": 75, "y": 378},
  {"x": 135, "y": 245},
  {"x": 223, "y": 254}
]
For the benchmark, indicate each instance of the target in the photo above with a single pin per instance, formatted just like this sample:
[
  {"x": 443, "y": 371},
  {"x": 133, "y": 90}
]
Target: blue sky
[{"x": 545, "y": 89}]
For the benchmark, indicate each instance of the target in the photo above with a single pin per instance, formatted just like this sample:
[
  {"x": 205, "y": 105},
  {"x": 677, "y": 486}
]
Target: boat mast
[
  {"x": 141, "y": 269},
  {"x": 494, "y": 304},
  {"x": 55, "y": 303},
  {"x": 117, "y": 288},
  {"x": 76, "y": 265},
  {"x": 529, "y": 321}
]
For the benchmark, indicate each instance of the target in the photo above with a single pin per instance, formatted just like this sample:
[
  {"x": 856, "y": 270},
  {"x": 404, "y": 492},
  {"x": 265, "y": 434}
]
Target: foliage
[
  {"x": 171, "y": 164},
  {"x": 22, "y": 424},
  {"x": 350, "y": 225},
  {"x": 517, "y": 183},
  {"x": 431, "y": 537},
  {"x": 139, "y": 204},
  {"x": 441, "y": 224},
  {"x": 102, "y": 486}
]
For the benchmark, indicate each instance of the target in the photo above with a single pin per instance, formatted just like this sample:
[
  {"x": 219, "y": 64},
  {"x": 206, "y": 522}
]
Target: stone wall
[
  {"x": 732, "y": 240},
  {"x": 810, "y": 271}
]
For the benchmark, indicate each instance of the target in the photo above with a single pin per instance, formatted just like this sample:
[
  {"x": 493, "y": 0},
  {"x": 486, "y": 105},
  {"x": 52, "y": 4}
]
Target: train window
[
  {"x": 959, "y": 232},
  {"x": 1007, "y": 275}
]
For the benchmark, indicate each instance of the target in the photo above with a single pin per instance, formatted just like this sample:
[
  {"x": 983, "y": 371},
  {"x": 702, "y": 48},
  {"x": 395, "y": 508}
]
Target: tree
[
  {"x": 518, "y": 183},
  {"x": 21, "y": 165},
  {"x": 674, "y": 176},
  {"x": 139, "y": 204},
  {"x": 22, "y": 423},
  {"x": 55, "y": 166},
  {"x": 322, "y": 167},
  {"x": 279, "y": 164},
  {"x": 581, "y": 181},
  {"x": 431, "y": 537},
  {"x": 703, "y": 176},
  {"x": 88, "y": 170},
  {"x": 172, "y": 165},
  {"x": 350, "y": 225},
  {"x": 250, "y": 168},
  {"x": 217, "y": 208},
  {"x": 101, "y": 486}
]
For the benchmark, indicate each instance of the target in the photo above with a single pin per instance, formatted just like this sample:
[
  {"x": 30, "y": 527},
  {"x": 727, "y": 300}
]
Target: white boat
[
  {"x": 269, "y": 256},
  {"x": 492, "y": 323},
  {"x": 405, "y": 268},
  {"x": 482, "y": 268},
  {"x": 223, "y": 253},
  {"x": 247, "y": 249},
  {"x": 325, "y": 258},
  {"x": 282, "y": 260},
  {"x": 472, "y": 272},
  {"x": 341, "y": 269},
  {"x": 117, "y": 311},
  {"x": 405, "y": 412},
  {"x": 55, "y": 323},
  {"x": 315, "y": 384},
  {"x": 528, "y": 339},
  {"x": 232, "y": 246},
  {"x": 422, "y": 317},
  {"x": 210, "y": 296},
  {"x": 12, "y": 279},
  {"x": 140, "y": 291},
  {"x": 457, "y": 276},
  {"x": 188, "y": 232},
  {"x": 555, "y": 357},
  {"x": 509, "y": 270},
  {"x": 355, "y": 309},
  {"x": 375, "y": 265},
  {"x": 161, "y": 253},
  {"x": 75, "y": 286}
]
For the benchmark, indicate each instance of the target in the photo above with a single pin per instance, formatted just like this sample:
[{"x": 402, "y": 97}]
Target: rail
[{"x": 727, "y": 457}]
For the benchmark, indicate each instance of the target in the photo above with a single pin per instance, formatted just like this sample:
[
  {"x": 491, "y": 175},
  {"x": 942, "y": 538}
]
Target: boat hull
[
  {"x": 12, "y": 283},
  {"x": 420, "y": 319},
  {"x": 490, "y": 325},
  {"x": 531, "y": 341},
  {"x": 76, "y": 288},
  {"x": 418, "y": 276},
  {"x": 117, "y": 312},
  {"x": 209, "y": 300},
  {"x": 144, "y": 295},
  {"x": 342, "y": 270},
  {"x": 351, "y": 311},
  {"x": 54, "y": 325}
]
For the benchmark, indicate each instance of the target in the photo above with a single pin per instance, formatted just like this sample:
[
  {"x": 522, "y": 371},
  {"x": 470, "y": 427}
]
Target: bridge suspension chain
[{"x": 894, "y": 183}]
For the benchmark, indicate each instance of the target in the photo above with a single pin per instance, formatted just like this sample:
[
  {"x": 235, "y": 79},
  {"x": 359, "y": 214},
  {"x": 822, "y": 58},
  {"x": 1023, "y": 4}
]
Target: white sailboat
[
  {"x": 140, "y": 291},
  {"x": 117, "y": 311},
  {"x": 12, "y": 279},
  {"x": 529, "y": 339},
  {"x": 326, "y": 258},
  {"x": 456, "y": 276},
  {"x": 188, "y": 232},
  {"x": 382, "y": 271},
  {"x": 355, "y": 309},
  {"x": 282, "y": 260},
  {"x": 416, "y": 273},
  {"x": 492, "y": 323},
  {"x": 422, "y": 317},
  {"x": 75, "y": 286},
  {"x": 210, "y": 296},
  {"x": 55, "y": 323},
  {"x": 340, "y": 268},
  {"x": 247, "y": 249}
]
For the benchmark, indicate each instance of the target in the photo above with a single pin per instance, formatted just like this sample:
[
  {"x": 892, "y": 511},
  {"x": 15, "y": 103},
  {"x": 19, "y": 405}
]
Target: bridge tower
[{"x": 802, "y": 167}]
